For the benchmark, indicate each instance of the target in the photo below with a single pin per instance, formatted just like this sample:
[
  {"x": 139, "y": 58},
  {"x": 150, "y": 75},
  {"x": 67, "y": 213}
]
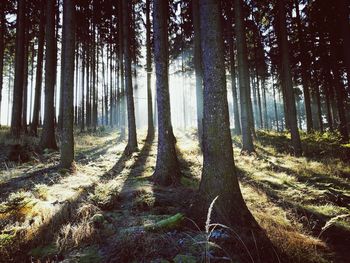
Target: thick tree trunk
[
  {"x": 67, "y": 138},
  {"x": 287, "y": 79},
  {"x": 19, "y": 68},
  {"x": 48, "y": 138},
  {"x": 197, "y": 61},
  {"x": 150, "y": 126},
  {"x": 132, "y": 136},
  {"x": 219, "y": 178},
  {"x": 167, "y": 168},
  {"x": 243, "y": 74}
]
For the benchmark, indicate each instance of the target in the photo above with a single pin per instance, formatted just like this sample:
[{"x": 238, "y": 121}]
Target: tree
[
  {"x": 2, "y": 47},
  {"x": 218, "y": 176},
  {"x": 243, "y": 74},
  {"x": 150, "y": 130},
  {"x": 67, "y": 86},
  {"x": 286, "y": 78},
  {"x": 39, "y": 73},
  {"x": 238, "y": 129},
  {"x": 167, "y": 168},
  {"x": 132, "y": 136},
  {"x": 305, "y": 78},
  {"x": 197, "y": 61},
  {"x": 19, "y": 70},
  {"x": 48, "y": 139},
  {"x": 121, "y": 68}
]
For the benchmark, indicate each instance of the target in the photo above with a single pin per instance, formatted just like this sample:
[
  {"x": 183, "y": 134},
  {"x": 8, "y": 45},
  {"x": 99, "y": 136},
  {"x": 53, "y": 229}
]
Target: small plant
[{"x": 105, "y": 196}]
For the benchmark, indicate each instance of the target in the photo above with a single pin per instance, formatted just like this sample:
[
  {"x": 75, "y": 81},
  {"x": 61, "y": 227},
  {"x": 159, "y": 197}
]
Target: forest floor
[{"x": 109, "y": 210}]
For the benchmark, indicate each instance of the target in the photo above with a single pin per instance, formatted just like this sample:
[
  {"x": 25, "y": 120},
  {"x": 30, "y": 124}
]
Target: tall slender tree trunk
[
  {"x": 19, "y": 70},
  {"x": 150, "y": 126},
  {"x": 236, "y": 117},
  {"x": 88, "y": 85},
  {"x": 31, "y": 83},
  {"x": 82, "y": 120},
  {"x": 94, "y": 82},
  {"x": 305, "y": 78},
  {"x": 25, "y": 75},
  {"x": 67, "y": 138},
  {"x": 132, "y": 136},
  {"x": 266, "y": 121},
  {"x": 343, "y": 9},
  {"x": 48, "y": 139},
  {"x": 275, "y": 106},
  {"x": 340, "y": 93},
  {"x": 167, "y": 168},
  {"x": 2, "y": 48},
  {"x": 121, "y": 68},
  {"x": 243, "y": 74},
  {"x": 197, "y": 61},
  {"x": 287, "y": 79}
]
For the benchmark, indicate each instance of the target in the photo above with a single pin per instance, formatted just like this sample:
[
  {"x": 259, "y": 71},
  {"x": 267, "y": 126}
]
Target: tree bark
[
  {"x": 219, "y": 178},
  {"x": 132, "y": 136},
  {"x": 287, "y": 79},
  {"x": 39, "y": 74},
  {"x": 197, "y": 61},
  {"x": 19, "y": 68},
  {"x": 167, "y": 167},
  {"x": 305, "y": 78},
  {"x": 48, "y": 138},
  {"x": 2, "y": 48},
  {"x": 150, "y": 126},
  {"x": 67, "y": 138},
  {"x": 243, "y": 74},
  {"x": 121, "y": 68},
  {"x": 25, "y": 75}
]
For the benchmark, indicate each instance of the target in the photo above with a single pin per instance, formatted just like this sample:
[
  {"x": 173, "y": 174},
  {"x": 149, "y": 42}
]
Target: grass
[{"x": 104, "y": 207}]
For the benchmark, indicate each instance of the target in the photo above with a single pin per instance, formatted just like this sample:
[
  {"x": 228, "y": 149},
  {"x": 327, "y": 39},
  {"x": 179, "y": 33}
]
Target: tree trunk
[
  {"x": 19, "y": 68},
  {"x": 266, "y": 121},
  {"x": 132, "y": 137},
  {"x": 88, "y": 86},
  {"x": 67, "y": 138},
  {"x": 238, "y": 130},
  {"x": 243, "y": 74},
  {"x": 25, "y": 75},
  {"x": 2, "y": 48},
  {"x": 305, "y": 78},
  {"x": 340, "y": 93},
  {"x": 167, "y": 168},
  {"x": 82, "y": 120},
  {"x": 48, "y": 138},
  {"x": 197, "y": 61},
  {"x": 150, "y": 126},
  {"x": 121, "y": 68},
  {"x": 343, "y": 9},
  {"x": 287, "y": 79},
  {"x": 219, "y": 178}
]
